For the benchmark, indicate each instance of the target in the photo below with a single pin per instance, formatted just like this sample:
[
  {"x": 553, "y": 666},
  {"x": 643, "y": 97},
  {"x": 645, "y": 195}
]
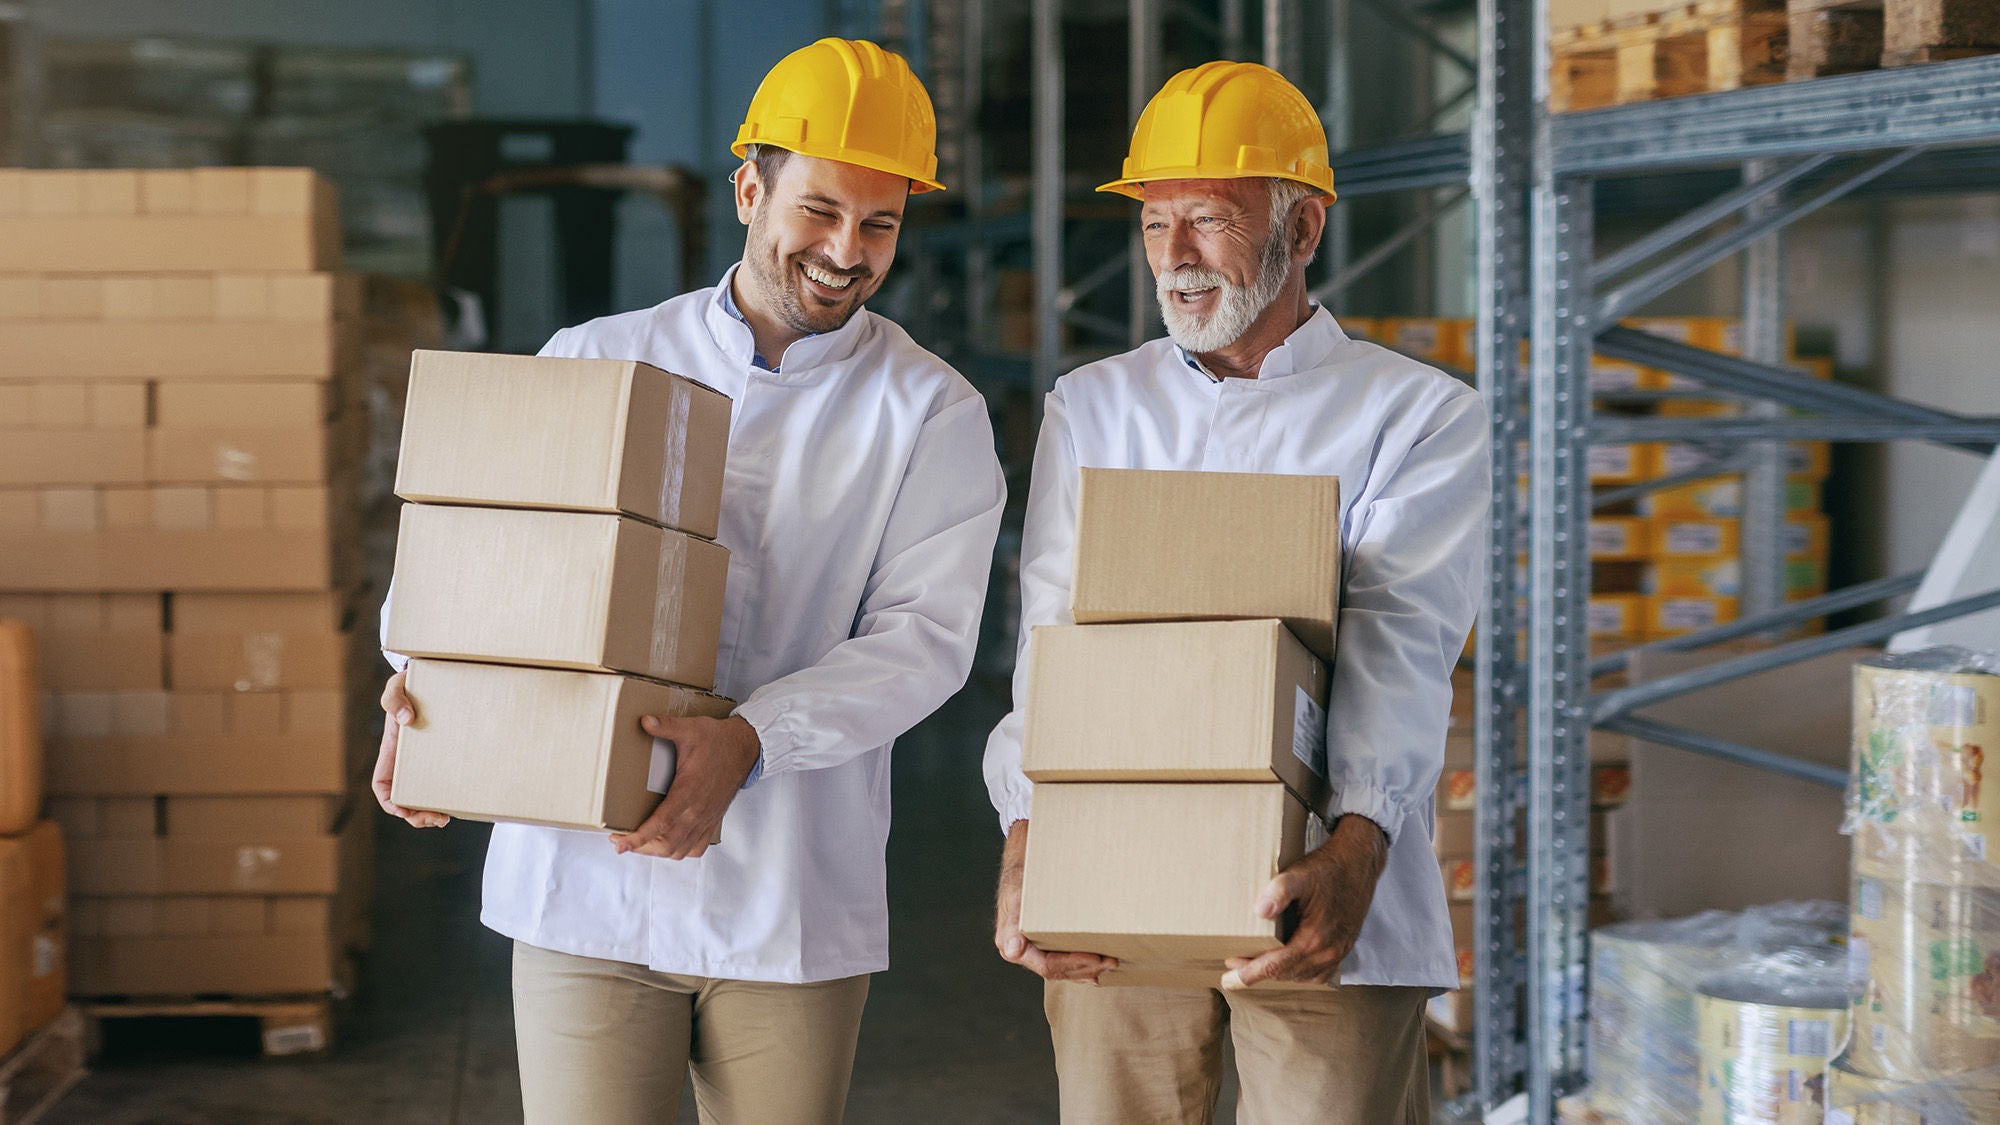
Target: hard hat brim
[
  {"x": 918, "y": 184},
  {"x": 1133, "y": 187}
]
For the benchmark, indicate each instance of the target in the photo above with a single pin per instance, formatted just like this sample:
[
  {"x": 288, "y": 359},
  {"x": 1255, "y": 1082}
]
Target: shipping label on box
[
  {"x": 1614, "y": 538},
  {"x": 1164, "y": 546},
  {"x": 1153, "y": 872},
  {"x": 536, "y": 745},
  {"x": 1176, "y": 701},
  {"x": 562, "y": 589},
  {"x": 1680, "y": 615},
  {"x": 1615, "y": 615},
  {"x": 591, "y": 435}
]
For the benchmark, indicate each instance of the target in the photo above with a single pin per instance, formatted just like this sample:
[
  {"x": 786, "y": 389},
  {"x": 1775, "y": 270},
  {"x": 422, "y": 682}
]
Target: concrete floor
[{"x": 952, "y": 1033}]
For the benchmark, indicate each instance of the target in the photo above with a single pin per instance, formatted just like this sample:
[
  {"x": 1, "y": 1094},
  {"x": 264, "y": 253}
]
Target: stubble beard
[{"x": 777, "y": 280}]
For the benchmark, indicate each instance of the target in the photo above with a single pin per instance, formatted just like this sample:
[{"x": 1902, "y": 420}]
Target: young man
[
  {"x": 1230, "y": 164},
  {"x": 860, "y": 506}
]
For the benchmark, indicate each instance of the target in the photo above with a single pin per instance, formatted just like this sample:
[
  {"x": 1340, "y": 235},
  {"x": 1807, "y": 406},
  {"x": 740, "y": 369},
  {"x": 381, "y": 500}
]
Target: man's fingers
[
  {"x": 1077, "y": 966},
  {"x": 1277, "y": 894},
  {"x": 663, "y": 726},
  {"x": 1270, "y": 966}
]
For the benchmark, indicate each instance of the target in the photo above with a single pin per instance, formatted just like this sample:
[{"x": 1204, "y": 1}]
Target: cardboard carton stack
[
  {"x": 556, "y": 579},
  {"x": 33, "y": 908},
  {"x": 180, "y": 427},
  {"x": 1177, "y": 733}
]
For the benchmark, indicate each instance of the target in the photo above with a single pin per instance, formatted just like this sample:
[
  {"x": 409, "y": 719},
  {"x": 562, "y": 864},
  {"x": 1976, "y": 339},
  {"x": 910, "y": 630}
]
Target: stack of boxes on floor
[
  {"x": 556, "y": 579},
  {"x": 178, "y": 429},
  {"x": 1456, "y": 840},
  {"x": 32, "y": 904},
  {"x": 1177, "y": 735}
]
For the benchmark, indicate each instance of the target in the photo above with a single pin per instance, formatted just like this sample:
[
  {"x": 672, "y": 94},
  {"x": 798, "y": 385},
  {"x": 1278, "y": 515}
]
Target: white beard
[{"x": 1236, "y": 309}]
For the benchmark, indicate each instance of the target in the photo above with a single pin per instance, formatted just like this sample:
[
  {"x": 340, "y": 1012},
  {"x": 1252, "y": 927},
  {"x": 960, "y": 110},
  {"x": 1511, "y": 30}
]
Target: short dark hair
[{"x": 768, "y": 159}]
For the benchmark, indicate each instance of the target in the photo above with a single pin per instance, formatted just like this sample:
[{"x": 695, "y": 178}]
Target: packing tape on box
[
  {"x": 1767, "y": 1031},
  {"x": 1924, "y": 974},
  {"x": 1923, "y": 725},
  {"x": 681, "y": 400},
  {"x": 1645, "y": 1059},
  {"x": 263, "y": 661},
  {"x": 670, "y": 580},
  {"x": 1857, "y": 1099}
]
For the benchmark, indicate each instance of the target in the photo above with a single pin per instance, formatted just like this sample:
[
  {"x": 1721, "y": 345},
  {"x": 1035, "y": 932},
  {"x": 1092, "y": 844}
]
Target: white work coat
[
  {"x": 1409, "y": 445},
  {"x": 860, "y": 506}
]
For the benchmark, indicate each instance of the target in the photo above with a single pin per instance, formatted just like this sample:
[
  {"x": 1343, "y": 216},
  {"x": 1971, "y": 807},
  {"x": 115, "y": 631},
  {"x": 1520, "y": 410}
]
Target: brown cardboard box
[
  {"x": 144, "y": 765},
  {"x": 94, "y": 641},
  {"x": 192, "y": 296},
  {"x": 193, "y": 817},
  {"x": 251, "y": 432},
  {"x": 198, "y": 915},
  {"x": 253, "y": 219},
  {"x": 248, "y": 537},
  {"x": 72, "y": 432},
  {"x": 536, "y": 745},
  {"x": 204, "y": 350},
  {"x": 1152, "y": 872},
  {"x": 231, "y": 963},
  {"x": 1176, "y": 701},
  {"x": 1455, "y": 834},
  {"x": 32, "y": 969},
  {"x": 321, "y": 612},
  {"x": 243, "y": 863},
  {"x": 259, "y": 661},
  {"x": 560, "y": 589},
  {"x": 581, "y": 434},
  {"x": 1156, "y": 546}
]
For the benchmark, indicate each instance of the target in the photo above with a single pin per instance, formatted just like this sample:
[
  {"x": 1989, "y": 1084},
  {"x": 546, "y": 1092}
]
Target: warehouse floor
[{"x": 952, "y": 1032}]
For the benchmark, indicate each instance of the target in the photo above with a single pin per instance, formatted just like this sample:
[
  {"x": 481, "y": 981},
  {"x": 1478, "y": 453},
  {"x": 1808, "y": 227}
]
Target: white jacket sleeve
[
  {"x": 1048, "y": 558},
  {"x": 918, "y": 623},
  {"x": 1415, "y": 575}
]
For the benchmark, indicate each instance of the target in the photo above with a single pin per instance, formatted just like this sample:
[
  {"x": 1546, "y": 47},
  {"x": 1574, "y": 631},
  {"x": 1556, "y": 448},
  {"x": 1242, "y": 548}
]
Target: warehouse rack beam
[
  {"x": 1441, "y": 161},
  {"x": 1667, "y": 734},
  {"x": 1723, "y": 206},
  {"x": 1852, "y": 428}
]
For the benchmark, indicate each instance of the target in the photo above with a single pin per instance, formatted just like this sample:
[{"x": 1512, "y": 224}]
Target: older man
[
  {"x": 1230, "y": 164},
  {"x": 860, "y": 506}
]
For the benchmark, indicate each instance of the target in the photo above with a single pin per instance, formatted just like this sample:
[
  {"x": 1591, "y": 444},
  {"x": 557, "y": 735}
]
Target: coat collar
[
  {"x": 804, "y": 360},
  {"x": 1306, "y": 348}
]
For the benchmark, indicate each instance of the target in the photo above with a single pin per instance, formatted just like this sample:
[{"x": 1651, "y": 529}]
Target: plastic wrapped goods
[
  {"x": 1767, "y": 1030},
  {"x": 1644, "y": 1039},
  {"x": 1855, "y": 1099},
  {"x": 1924, "y": 725},
  {"x": 1925, "y": 963}
]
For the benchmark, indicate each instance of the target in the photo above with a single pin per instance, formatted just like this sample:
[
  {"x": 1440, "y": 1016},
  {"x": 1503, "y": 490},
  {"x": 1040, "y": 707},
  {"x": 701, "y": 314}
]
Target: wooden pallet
[
  {"x": 1690, "y": 48},
  {"x": 41, "y": 1070},
  {"x": 1839, "y": 36},
  {"x": 287, "y": 1025}
]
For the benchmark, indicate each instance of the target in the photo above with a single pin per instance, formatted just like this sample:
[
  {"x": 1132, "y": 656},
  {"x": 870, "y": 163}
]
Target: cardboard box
[
  {"x": 262, "y": 661},
  {"x": 537, "y": 745},
  {"x": 144, "y": 765},
  {"x": 189, "y": 713},
  {"x": 242, "y": 863},
  {"x": 1618, "y": 537},
  {"x": 1141, "y": 974},
  {"x": 32, "y": 963},
  {"x": 1178, "y": 701},
  {"x": 233, "y": 963},
  {"x": 204, "y": 350},
  {"x": 1678, "y": 615},
  {"x": 559, "y": 589},
  {"x": 593, "y": 435},
  {"x": 1616, "y": 615},
  {"x": 188, "y": 538},
  {"x": 199, "y": 915},
  {"x": 223, "y": 612},
  {"x": 193, "y": 817},
  {"x": 194, "y": 296},
  {"x": 1623, "y": 464},
  {"x": 72, "y": 432},
  {"x": 252, "y": 432},
  {"x": 1454, "y": 833},
  {"x": 1152, "y": 872},
  {"x": 94, "y": 641},
  {"x": 265, "y": 219},
  {"x": 1175, "y": 546}
]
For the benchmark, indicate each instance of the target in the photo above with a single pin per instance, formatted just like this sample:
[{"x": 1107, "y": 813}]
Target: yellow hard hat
[
  {"x": 847, "y": 100},
  {"x": 1226, "y": 121}
]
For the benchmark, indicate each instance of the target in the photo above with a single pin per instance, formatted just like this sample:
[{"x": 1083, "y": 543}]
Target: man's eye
[{"x": 819, "y": 214}]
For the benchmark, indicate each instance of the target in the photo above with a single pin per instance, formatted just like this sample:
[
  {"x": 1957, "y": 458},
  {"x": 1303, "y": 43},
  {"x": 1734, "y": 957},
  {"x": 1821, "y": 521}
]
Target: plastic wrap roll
[
  {"x": 1856, "y": 1099},
  {"x": 1644, "y": 1057},
  {"x": 1924, "y": 724},
  {"x": 1925, "y": 975},
  {"x": 1767, "y": 1030}
]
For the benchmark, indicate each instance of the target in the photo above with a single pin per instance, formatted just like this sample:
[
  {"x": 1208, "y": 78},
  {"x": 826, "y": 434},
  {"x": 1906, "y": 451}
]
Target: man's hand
[
  {"x": 1332, "y": 888},
  {"x": 398, "y": 714},
  {"x": 711, "y": 759},
  {"x": 1007, "y": 923}
]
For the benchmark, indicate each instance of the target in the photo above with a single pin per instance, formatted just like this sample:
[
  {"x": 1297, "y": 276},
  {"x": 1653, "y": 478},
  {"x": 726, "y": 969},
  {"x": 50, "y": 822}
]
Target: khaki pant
[
  {"x": 1339, "y": 1056},
  {"x": 606, "y": 1043}
]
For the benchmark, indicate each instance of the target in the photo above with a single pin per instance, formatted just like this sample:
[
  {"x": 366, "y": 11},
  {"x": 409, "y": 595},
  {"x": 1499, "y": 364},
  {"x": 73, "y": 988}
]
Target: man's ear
[
  {"x": 1308, "y": 223},
  {"x": 748, "y": 189}
]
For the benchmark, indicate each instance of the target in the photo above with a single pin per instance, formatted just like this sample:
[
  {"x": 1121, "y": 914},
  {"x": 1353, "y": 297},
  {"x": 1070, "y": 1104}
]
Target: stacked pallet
[
  {"x": 1670, "y": 563},
  {"x": 182, "y": 428},
  {"x": 1839, "y": 36},
  {"x": 32, "y": 904}
]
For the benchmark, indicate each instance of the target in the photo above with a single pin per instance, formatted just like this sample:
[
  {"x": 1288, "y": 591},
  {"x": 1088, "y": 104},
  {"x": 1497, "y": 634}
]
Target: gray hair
[{"x": 1285, "y": 194}]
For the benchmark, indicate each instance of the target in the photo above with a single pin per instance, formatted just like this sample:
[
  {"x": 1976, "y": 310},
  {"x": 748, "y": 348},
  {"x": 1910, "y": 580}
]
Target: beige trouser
[
  {"x": 1337, "y": 1056},
  {"x": 606, "y": 1042}
]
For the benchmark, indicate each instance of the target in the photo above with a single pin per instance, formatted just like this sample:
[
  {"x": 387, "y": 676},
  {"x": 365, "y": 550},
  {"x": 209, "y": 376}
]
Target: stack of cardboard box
[
  {"x": 180, "y": 429},
  {"x": 1177, "y": 733},
  {"x": 556, "y": 579},
  {"x": 32, "y": 906}
]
